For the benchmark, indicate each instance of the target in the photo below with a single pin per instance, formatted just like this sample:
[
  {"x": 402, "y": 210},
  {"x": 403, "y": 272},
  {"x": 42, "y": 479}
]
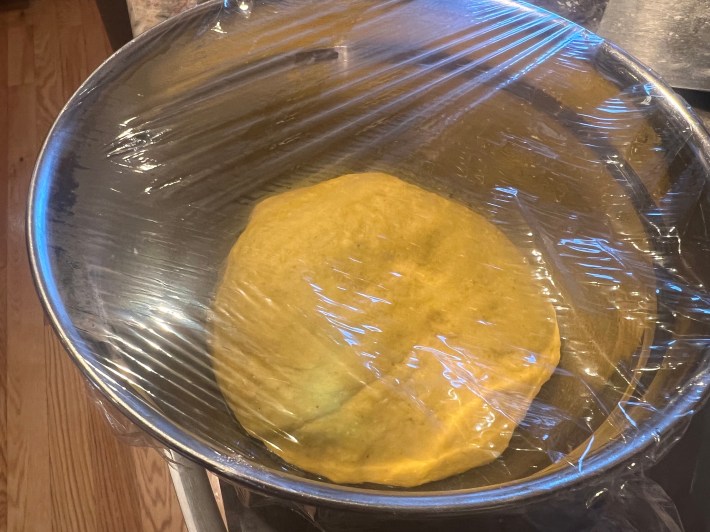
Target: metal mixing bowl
[{"x": 566, "y": 142}]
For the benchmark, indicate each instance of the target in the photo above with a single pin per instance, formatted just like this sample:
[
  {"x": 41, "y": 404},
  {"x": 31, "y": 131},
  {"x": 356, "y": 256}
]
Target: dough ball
[{"x": 370, "y": 331}]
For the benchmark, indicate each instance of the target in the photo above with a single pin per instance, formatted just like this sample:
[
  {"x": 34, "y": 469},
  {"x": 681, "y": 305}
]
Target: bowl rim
[{"x": 288, "y": 486}]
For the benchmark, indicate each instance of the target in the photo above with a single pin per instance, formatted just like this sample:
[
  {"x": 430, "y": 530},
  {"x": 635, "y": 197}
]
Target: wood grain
[
  {"x": 116, "y": 482},
  {"x": 21, "y": 53},
  {"x": 73, "y": 54},
  {"x": 27, "y": 434},
  {"x": 62, "y": 468},
  {"x": 3, "y": 273},
  {"x": 48, "y": 66},
  {"x": 71, "y": 474},
  {"x": 96, "y": 42},
  {"x": 154, "y": 495},
  {"x": 69, "y": 12}
]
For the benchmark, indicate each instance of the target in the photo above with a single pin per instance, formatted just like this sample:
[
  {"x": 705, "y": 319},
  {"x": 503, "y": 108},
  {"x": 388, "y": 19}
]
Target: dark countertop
[{"x": 147, "y": 13}]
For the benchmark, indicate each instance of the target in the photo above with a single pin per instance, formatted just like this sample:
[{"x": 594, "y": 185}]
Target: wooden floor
[{"x": 61, "y": 467}]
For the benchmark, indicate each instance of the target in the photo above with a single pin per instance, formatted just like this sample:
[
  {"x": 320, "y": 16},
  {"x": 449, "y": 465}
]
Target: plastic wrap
[{"x": 585, "y": 165}]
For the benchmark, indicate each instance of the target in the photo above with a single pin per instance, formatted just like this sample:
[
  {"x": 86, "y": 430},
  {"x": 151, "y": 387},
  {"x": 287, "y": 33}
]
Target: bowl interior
[{"x": 151, "y": 172}]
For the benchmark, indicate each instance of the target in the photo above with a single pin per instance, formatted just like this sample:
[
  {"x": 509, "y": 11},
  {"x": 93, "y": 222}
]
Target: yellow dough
[{"x": 370, "y": 331}]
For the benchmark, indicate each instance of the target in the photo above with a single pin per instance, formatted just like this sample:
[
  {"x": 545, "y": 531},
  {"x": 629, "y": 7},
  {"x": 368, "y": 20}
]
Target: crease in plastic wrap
[{"x": 520, "y": 312}]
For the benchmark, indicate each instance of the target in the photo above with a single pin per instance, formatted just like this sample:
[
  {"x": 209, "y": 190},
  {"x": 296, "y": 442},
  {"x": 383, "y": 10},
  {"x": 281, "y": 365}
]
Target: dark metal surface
[
  {"x": 587, "y": 13},
  {"x": 672, "y": 36}
]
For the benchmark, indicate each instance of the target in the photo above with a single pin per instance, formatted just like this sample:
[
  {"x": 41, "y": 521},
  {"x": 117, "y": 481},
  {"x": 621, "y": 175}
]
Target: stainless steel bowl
[{"x": 150, "y": 171}]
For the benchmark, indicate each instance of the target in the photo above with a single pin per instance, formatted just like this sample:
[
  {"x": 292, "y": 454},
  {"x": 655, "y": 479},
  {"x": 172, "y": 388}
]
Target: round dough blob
[{"x": 369, "y": 331}]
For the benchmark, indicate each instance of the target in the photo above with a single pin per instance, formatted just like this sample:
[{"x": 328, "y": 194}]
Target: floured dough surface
[{"x": 370, "y": 331}]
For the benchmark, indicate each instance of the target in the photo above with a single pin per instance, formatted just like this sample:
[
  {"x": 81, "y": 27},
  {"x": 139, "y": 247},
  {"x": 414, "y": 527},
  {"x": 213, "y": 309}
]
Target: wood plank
[
  {"x": 73, "y": 58},
  {"x": 29, "y": 501},
  {"x": 117, "y": 492},
  {"x": 160, "y": 511},
  {"x": 3, "y": 269},
  {"x": 20, "y": 70},
  {"x": 68, "y": 13},
  {"x": 96, "y": 43},
  {"x": 48, "y": 66},
  {"x": 28, "y": 505},
  {"x": 71, "y": 473}
]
